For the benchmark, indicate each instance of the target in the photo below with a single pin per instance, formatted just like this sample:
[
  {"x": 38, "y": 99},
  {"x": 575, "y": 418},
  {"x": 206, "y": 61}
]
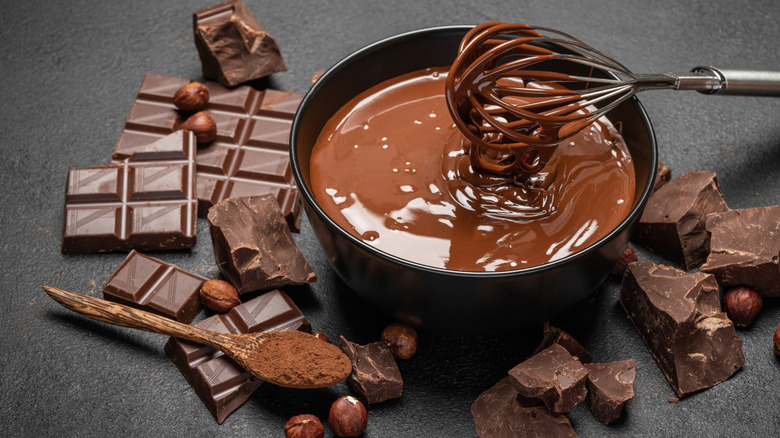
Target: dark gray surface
[{"x": 70, "y": 72}]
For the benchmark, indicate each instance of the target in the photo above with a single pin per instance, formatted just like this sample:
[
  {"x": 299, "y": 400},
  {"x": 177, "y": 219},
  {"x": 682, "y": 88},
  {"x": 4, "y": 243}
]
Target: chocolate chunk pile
[
  {"x": 678, "y": 314},
  {"x": 536, "y": 395}
]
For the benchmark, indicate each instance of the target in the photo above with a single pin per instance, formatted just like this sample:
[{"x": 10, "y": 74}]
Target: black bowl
[{"x": 436, "y": 298}]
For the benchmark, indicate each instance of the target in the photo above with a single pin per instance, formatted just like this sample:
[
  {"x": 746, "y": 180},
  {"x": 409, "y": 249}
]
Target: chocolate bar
[
  {"x": 745, "y": 249},
  {"x": 672, "y": 224},
  {"x": 553, "y": 376},
  {"x": 375, "y": 374},
  {"x": 232, "y": 46},
  {"x": 554, "y": 335},
  {"x": 250, "y": 155},
  {"x": 146, "y": 201},
  {"x": 500, "y": 412},
  {"x": 679, "y": 319},
  {"x": 221, "y": 384},
  {"x": 150, "y": 284},
  {"x": 610, "y": 386},
  {"x": 253, "y": 245}
]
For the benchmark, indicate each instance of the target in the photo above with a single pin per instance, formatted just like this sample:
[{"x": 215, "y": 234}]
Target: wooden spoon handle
[{"x": 127, "y": 316}]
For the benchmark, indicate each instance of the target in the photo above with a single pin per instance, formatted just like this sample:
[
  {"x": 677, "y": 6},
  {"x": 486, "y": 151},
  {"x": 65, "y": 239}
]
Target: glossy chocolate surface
[{"x": 406, "y": 185}]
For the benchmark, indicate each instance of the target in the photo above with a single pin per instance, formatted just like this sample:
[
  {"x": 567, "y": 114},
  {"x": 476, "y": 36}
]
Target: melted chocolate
[{"x": 392, "y": 168}]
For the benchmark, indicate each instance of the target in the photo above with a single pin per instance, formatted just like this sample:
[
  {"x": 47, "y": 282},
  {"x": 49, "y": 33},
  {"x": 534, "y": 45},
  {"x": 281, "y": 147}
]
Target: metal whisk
[{"x": 516, "y": 91}]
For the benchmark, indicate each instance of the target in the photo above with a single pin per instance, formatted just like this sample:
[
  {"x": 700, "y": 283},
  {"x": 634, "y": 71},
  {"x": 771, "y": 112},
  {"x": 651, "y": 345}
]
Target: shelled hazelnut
[
  {"x": 776, "y": 342},
  {"x": 402, "y": 340},
  {"x": 742, "y": 305},
  {"x": 304, "y": 426},
  {"x": 628, "y": 256},
  {"x": 203, "y": 125},
  {"x": 191, "y": 97},
  {"x": 348, "y": 417},
  {"x": 219, "y": 295}
]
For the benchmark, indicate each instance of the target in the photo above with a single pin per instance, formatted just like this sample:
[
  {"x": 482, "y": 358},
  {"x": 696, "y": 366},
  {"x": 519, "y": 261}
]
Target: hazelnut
[
  {"x": 348, "y": 417},
  {"x": 777, "y": 341},
  {"x": 742, "y": 305},
  {"x": 628, "y": 256},
  {"x": 219, "y": 295},
  {"x": 191, "y": 97},
  {"x": 402, "y": 340},
  {"x": 202, "y": 124},
  {"x": 304, "y": 426},
  {"x": 321, "y": 336}
]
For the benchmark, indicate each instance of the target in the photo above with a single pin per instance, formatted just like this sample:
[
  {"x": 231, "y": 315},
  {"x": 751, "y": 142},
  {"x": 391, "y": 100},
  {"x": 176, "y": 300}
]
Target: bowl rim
[{"x": 303, "y": 189}]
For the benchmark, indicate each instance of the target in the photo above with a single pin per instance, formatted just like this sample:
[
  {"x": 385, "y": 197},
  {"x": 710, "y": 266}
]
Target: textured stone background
[{"x": 70, "y": 71}]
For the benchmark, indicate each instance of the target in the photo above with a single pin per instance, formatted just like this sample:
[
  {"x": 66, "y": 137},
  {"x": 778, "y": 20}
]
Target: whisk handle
[{"x": 742, "y": 82}]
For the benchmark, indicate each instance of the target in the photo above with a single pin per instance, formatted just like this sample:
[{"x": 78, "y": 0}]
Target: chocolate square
[
  {"x": 375, "y": 374},
  {"x": 253, "y": 245},
  {"x": 145, "y": 201},
  {"x": 150, "y": 284},
  {"x": 672, "y": 224},
  {"x": 679, "y": 319},
  {"x": 745, "y": 249},
  {"x": 552, "y": 376}
]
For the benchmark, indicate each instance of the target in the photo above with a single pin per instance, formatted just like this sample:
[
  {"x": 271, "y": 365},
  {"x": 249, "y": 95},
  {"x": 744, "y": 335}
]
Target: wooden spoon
[{"x": 291, "y": 359}]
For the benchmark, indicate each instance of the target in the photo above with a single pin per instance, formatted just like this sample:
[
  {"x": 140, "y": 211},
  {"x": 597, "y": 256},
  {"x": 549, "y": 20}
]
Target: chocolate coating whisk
[{"x": 516, "y": 91}]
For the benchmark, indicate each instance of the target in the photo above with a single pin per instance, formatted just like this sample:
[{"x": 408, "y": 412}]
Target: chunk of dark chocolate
[
  {"x": 553, "y": 376},
  {"x": 253, "y": 245},
  {"x": 145, "y": 202},
  {"x": 610, "y": 386},
  {"x": 672, "y": 224},
  {"x": 745, "y": 249},
  {"x": 554, "y": 335},
  {"x": 375, "y": 374},
  {"x": 500, "y": 412},
  {"x": 679, "y": 318},
  {"x": 232, "y": 46},
  {"x": 251, "y": 154},
  {"x": 663, "y": 176},
  {"x": 150, "y": 284},
  {"x": 220, "y": 384}
]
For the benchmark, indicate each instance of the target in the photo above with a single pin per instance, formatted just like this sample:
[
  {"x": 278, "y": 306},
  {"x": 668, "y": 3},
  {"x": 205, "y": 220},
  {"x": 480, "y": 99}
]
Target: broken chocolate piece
[
  {"x": 500, "y": 412},
  {"x": 220, "y": 384},
  {"x": 745, "y": 248},
  {"x": 610, "y": 386},
  {"x": 150, "y": 284},
  {"x": 232, "y": 46},
  {"x": 672, "y": 224},
  {"x": 662, "y": 176},
  {"x": 253, "y": 245},
  {"x": 554, "y": 335},
  {"x": 679, "y": 319},
  {"x": 553, "y": 376},
  {"x": 375, "y": 374}
]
